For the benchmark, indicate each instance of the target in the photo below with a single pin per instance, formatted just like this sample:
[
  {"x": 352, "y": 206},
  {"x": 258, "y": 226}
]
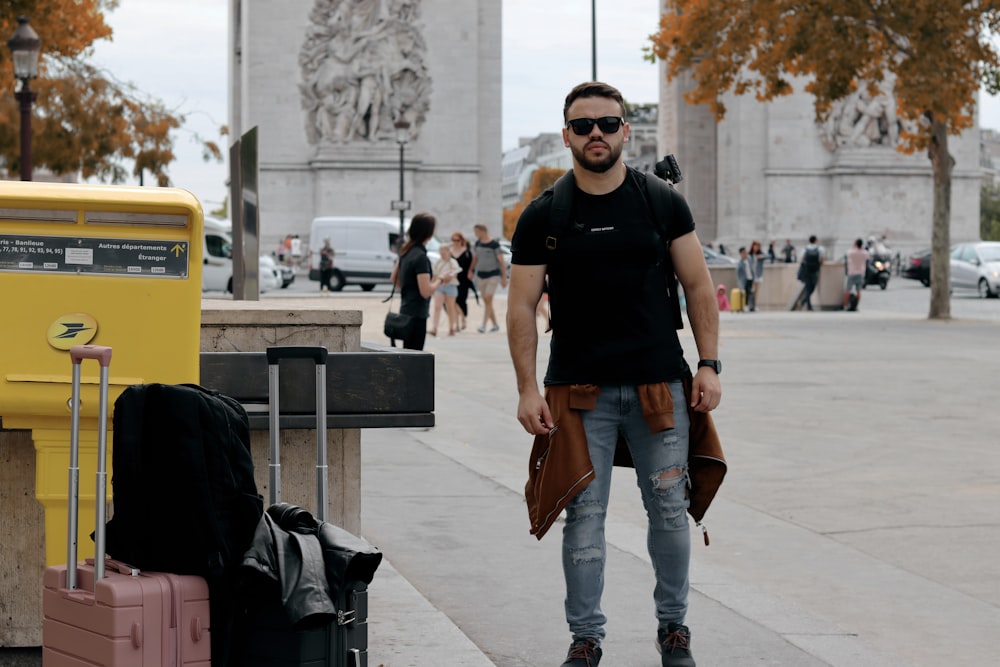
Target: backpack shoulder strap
[
  {"x": 561, "y": 209},
  {"x": 659, "y": 197}
]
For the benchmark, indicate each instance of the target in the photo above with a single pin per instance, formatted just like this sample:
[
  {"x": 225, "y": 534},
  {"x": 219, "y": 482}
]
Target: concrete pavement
[{"x": 859, "y": 523}]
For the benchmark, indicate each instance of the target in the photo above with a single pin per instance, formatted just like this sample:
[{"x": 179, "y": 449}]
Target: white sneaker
[{"x": 482, "y": 329}]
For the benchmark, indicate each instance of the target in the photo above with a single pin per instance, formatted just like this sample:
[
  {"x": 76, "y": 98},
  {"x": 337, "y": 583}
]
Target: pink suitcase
[{"x": 101, "y": 612}]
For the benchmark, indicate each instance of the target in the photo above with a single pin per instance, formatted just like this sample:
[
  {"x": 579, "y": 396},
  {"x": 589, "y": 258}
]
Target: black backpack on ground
[{"x": 185, "y": 499}]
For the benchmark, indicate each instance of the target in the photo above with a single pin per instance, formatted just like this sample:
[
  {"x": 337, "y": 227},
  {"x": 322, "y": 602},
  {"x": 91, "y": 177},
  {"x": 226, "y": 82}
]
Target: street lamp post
[
  {"x": 402, "y": 137},
  {"x": 24, "y": 48},
  {"x": 593, "y": 40}
]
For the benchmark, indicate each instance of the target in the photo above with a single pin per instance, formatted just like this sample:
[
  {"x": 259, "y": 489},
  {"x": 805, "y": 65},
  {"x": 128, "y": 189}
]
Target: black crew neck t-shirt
[
  {"x": 414, "y": 262},
  {"x": 611, "y": 317}
]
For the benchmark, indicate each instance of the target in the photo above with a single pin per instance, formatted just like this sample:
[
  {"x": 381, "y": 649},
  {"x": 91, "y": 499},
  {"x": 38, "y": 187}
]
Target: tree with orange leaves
[
  {"x": 541, "y": 179},
  {"x": 84, "y": 121},
  {"x": 938, "y": 52}
]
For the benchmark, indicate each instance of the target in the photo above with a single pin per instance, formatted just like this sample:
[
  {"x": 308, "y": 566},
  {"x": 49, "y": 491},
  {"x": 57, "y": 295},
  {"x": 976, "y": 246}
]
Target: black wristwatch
[{"x": 714, "y": 364}]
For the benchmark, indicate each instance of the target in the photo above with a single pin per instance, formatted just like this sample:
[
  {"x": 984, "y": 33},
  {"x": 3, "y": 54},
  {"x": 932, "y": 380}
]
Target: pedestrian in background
[
  {"x": 857, "y": 261},
  {"x": 744, "y": 278},
  {"x": 445, "y": 295},
  {"x": 326, "y": 254},
  {"x": 412, "y": 274},
  {"x": 295, "y": 248},
  {"x": 285, "y": 249},
  {"x": 490, "y": 271},
  {"x": 788, "y": 252},
  {"x": 812, "y": 261},
  {"x": 721, "y": 299},
  {"x": 771, "y": 256},
  {"x": 461, "y": 253},
  {"x": 757, "y": 264},
  {"x": 614, "y": 352}
]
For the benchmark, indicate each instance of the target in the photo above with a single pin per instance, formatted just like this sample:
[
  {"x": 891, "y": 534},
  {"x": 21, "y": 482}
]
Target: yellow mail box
[{"x": 105, "y": 265}]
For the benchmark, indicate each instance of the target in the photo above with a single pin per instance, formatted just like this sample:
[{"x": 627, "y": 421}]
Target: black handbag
[{"x": 397, "y": 325}]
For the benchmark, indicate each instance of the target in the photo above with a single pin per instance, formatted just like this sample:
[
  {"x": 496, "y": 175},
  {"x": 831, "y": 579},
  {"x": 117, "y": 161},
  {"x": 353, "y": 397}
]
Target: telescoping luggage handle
[
  {"x": 274, "y": 356},
  {"x": 77, "y": 354}
]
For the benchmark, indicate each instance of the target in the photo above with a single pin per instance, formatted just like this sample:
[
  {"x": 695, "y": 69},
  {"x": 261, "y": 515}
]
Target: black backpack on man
[
  {"x": 657, "y": 191},
  {"x": 811, "y": 260}
]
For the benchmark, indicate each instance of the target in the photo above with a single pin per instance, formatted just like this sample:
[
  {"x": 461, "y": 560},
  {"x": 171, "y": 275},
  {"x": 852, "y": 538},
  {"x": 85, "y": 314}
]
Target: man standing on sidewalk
[
  {"x": 857, "y": 261},
  {"x": 489, "y": 270},
  {"x": 614, "y": 353},
  {"x": 812, "y": 262}
]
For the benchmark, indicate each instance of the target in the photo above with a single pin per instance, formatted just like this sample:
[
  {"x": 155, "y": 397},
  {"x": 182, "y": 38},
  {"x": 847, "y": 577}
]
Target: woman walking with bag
[
  {"x": 412, "y": 274},
  {"x": 462, "y": 254}
]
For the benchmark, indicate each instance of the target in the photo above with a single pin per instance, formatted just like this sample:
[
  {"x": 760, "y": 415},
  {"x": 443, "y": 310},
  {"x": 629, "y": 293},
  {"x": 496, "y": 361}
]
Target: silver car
[
  {"x": 976, "y": 266},
  {"x": 713, "y": 258}
]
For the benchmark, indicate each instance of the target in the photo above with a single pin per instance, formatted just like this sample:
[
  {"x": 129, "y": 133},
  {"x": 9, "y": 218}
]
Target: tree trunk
[{"x": 942, "y": 164}]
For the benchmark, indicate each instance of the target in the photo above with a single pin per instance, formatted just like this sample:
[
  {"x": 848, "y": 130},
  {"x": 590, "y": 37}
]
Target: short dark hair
[
  {"x": 593, "y": 89},
  {"x": 859, "y": 243},
  {"x": 812, "y": 239}
]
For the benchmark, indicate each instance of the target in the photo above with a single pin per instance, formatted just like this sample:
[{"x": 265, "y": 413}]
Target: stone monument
[
  {"x": 770, "y": 172},
  {"x": 326, "y": 82}
]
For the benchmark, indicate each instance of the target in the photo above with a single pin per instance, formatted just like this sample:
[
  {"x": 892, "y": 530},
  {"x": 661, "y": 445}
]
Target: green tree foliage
[
  {"x": 84, "y": 120},
  {"x": 938, "y": 52}
]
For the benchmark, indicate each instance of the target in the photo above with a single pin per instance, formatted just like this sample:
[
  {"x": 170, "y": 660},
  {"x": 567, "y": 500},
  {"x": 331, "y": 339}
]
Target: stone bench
[{"x": 376, "y": 388}]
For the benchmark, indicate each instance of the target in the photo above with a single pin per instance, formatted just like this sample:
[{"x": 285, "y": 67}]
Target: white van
[
  {"x": 217, "y": 263},
  {"x": 217, "y": 260},
  {"x": 364, "y": 249}
]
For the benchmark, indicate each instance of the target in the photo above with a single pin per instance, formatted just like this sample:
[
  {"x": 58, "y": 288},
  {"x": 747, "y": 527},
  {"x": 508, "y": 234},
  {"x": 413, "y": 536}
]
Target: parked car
[
  {"x": 976, "y": 266},
  {"x": 217, "y": 260},
  {"x": 918, "y": 267},
  {"x": 287, "y": 275},
  {"x": 269, "y": 275},
  {"x": 713, "y": 258}
]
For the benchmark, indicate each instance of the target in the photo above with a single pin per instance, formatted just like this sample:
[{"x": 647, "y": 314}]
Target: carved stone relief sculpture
[
  {"x": 862, "y": 119},
  {"x": 363, "y": 68}
]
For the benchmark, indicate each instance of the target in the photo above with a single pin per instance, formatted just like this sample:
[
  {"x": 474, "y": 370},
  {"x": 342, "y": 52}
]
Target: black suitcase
[{"x": 270, "y": 637}]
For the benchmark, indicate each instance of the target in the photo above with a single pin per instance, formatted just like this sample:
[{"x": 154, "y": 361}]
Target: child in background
[
  {"x": 447, "y": 294},
  {"x": 720, "y": 296}
]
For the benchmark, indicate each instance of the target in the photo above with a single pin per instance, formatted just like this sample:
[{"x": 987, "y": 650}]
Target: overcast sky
[{"x": 175, "y": 50}]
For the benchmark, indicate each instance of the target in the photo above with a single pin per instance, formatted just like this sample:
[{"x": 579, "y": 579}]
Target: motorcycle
[{"x": 877, "y": 271}]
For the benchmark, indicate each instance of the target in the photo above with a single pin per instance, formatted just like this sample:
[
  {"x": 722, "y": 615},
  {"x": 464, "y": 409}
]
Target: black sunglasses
[{"x": 607, "y": 125}]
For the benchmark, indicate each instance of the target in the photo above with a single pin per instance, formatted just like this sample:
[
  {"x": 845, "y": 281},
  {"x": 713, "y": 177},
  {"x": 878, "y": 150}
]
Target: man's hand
[
  {"x": 706, "y": 390},
  {"x": 533, "y": 413}
]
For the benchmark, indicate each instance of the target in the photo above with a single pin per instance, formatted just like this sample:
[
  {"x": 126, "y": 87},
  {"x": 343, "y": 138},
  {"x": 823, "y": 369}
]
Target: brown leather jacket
[{"x": 560, "y": 463}]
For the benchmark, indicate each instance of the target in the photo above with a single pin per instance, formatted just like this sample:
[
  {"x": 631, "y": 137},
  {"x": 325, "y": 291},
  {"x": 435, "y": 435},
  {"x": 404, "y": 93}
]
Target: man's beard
[{"x": 598, "y": 166}]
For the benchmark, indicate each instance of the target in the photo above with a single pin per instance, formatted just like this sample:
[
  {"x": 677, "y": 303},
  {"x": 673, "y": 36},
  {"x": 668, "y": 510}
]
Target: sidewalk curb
[{"x": 407, "y": 630}]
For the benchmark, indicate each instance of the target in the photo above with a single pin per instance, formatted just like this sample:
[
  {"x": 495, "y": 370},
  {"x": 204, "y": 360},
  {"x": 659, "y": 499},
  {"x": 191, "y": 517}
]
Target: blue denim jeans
[{"x": 662, "y": 476}]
